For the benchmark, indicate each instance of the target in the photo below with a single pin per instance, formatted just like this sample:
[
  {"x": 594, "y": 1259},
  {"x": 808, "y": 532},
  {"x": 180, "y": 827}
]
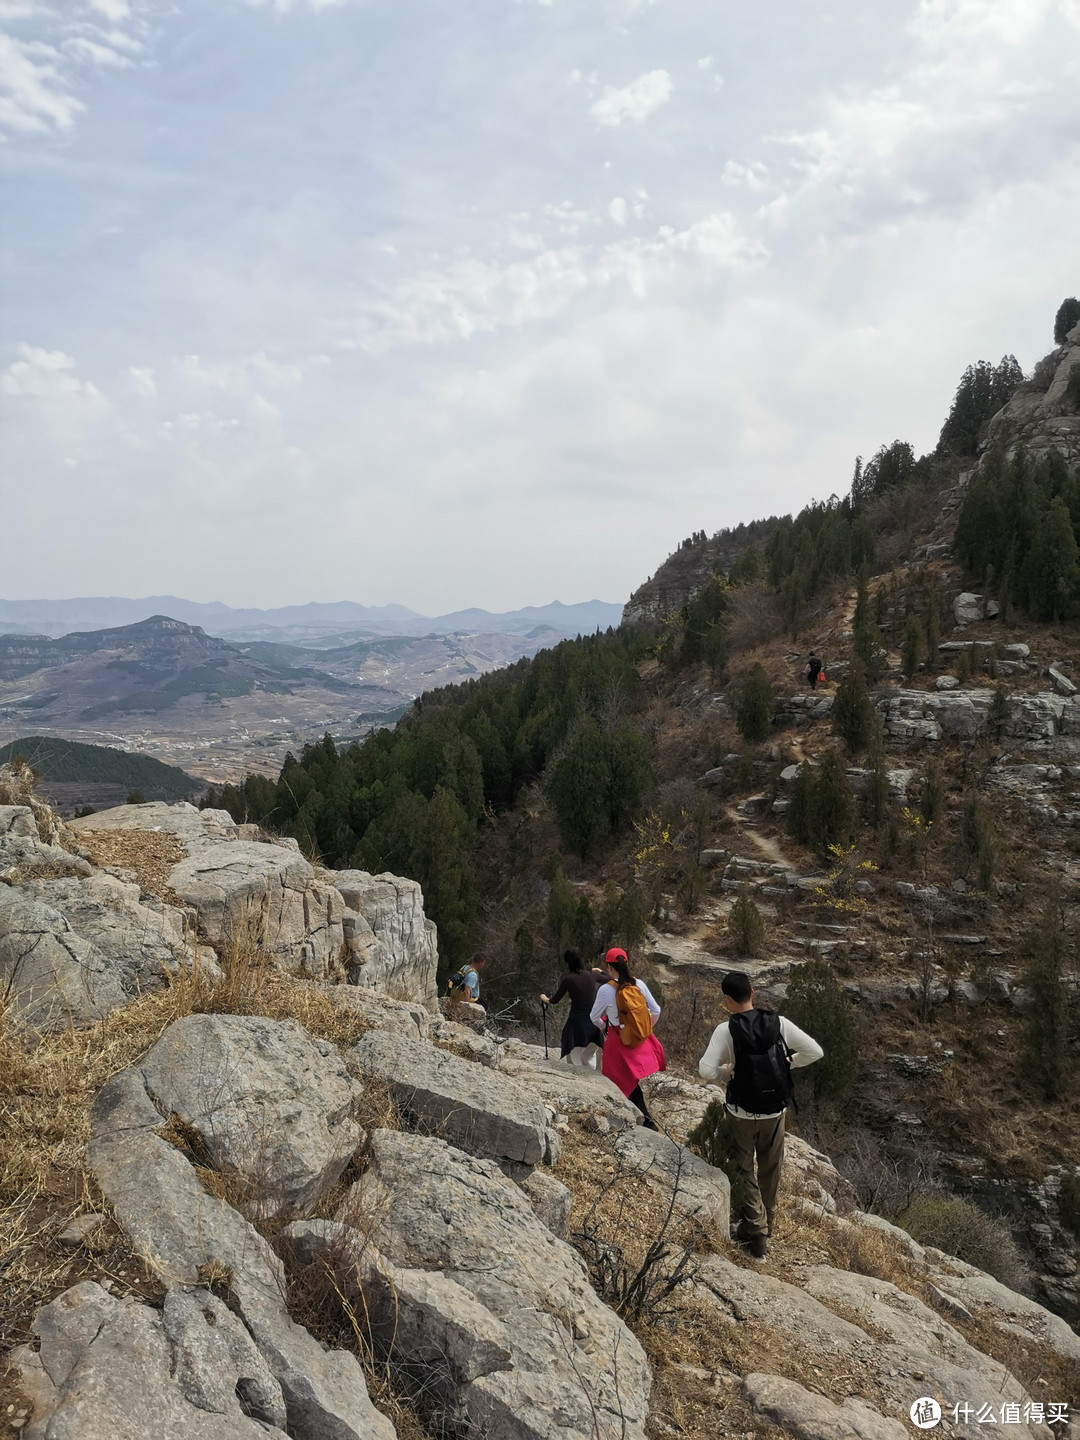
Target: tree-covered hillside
[
  {"x": 69, "y": 762},
  {"x": 413, "y": 799}
]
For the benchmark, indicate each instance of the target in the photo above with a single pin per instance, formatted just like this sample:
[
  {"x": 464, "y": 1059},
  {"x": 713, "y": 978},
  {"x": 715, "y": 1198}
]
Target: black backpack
[{"x": 761, "y": 1082}]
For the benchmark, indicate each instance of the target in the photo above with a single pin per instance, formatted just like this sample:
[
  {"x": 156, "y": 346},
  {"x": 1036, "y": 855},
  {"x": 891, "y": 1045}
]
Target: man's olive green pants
[{"x": 762, "y": 1139}]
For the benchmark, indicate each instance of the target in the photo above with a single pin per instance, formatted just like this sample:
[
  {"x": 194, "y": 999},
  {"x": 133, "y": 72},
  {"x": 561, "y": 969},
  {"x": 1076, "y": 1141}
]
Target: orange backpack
[{"x": 635, "y": 1022}]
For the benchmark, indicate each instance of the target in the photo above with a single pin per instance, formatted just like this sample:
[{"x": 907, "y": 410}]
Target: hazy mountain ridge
[
  {"x": 340, "y": 623},
  {"x": 200, "y": 701}
]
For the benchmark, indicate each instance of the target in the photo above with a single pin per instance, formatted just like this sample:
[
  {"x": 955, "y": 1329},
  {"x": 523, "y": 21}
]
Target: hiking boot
[
  {"x": 649, "y": 1123},
  {"x": 757, "y": 1246}
]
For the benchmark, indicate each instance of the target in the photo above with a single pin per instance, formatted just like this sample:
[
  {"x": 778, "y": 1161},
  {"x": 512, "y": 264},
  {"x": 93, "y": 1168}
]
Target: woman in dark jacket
[{"x": 581, "y": 1040}]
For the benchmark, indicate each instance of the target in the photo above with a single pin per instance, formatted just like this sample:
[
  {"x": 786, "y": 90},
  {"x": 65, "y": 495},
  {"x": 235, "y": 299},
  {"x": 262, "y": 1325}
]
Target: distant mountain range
[
  {"x": 220, "y": 707},
  {"x": 322, "y": 626}
]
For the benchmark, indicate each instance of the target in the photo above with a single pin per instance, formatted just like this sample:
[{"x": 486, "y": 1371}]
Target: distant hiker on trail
[
  {"x": 631, "y": 1050},
  {"x": 755, "y": 1051},
  {"x": 814, "y": 671},
  {"x": 581, "y": 1040},
  {"x": 464, "y": 987}
]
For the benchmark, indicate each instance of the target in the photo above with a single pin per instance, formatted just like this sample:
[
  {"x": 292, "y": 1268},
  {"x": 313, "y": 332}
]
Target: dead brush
[
  {"x": 247, "y": 979},
  {"x": 327, "y": 1296},
  {"x": 637, "y": 1248}
]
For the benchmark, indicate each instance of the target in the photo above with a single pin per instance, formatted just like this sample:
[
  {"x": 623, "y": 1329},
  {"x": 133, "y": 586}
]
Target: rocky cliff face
[
  {"x": 137, "y": 893},
  {"x": 1044, "y": 415},
  {"x": 683, "y": 573}
]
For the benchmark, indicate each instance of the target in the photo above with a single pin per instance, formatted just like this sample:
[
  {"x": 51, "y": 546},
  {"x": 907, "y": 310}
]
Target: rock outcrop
[
  {"x": 77, "y": 941},
  {"x": 485, "y": 1113},
  {"x": 1041, "y": 416},
  {"x": 574, "y": 1367},
  {"x": 192, "y": 1238}
]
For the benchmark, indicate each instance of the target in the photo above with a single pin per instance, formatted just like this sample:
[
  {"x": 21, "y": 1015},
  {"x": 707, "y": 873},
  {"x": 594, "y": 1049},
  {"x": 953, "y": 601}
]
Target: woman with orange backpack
[{"x": 631, "y": 1050}]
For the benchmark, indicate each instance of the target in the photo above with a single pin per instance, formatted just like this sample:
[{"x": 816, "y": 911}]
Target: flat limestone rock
[
  {"x": 270, "y": 1103},
  {"x": 572, "y": 1089},
  {"x": 550, "y": 1199},
  {"x": 980, "y": 1292},
  {"x": 577, "y": 1372},
  {"x": 121, "y": 1371},
  {"x": 752, "y": 1296},
  {"x": 422, "y": 1321},
  {"x": 806, "y": 1415},
  {"x": 922, "y": 1348},
  {"x": 478, "y": 1109},
  {"x": 187, "y": 1234},
  {"x": 701, "y": 1192}
]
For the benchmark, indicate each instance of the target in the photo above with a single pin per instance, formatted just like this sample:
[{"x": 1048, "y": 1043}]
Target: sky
[{"x": 492, "y": 302}]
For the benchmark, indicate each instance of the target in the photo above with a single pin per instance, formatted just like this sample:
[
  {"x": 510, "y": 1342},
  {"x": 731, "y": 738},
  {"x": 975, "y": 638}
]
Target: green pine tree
[
  {"x": 753, "y": 717},
  {"x": 1049, "y": 1020},
  {"x": 911, "y": 647},
  {"x": 817, "y": 1003},
  {"x": 853, "y": 712}
]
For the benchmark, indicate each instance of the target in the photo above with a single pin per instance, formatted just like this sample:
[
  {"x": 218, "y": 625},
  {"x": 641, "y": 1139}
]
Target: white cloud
[
  {"x": 1006, "y": 21},
  {"x": 618, "y": 210},
  {"x": 96, "y": 54},
  {"x": 114, "y": 10},
  {"x": 474, "y": 297},
  {"x": 636, "y": 101},
  {"x": 33, "y": 94},
  {"x": 284, "y": 6},
  {"x": 142, "y": 380},
  {"x": 44, "y": 375}
]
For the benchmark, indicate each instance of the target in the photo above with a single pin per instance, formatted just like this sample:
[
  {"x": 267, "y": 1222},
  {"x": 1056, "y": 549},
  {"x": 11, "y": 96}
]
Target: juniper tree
[
  {"x": 1067, "y": 316},
  {"x": 853, "y": 711},
  {"x": 1048, "y": 1023},
  {"x": 817, "y": 1003},
  {"x": 911, "y": 647},
  {"x": 754, "y": 714}
]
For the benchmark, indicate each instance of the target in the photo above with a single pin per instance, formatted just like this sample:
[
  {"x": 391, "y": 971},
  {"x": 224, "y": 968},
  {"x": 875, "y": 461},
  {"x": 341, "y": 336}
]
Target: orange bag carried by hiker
[{"x": 635, "y": 1022}]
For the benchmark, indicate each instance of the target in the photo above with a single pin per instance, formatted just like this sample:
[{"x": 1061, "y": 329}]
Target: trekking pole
[{"x": 544, "y": 1010}]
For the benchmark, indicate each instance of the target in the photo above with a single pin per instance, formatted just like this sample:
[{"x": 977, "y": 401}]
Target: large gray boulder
[
  {"x": 190, "y": 1237},
  {"x": 392, "y": 945},
  {"x": 233, "y": 884},
  {"x": 1014, "y": 1314},
  {"x": 111, "y": 1369},
  {"x": 917, "y": 1346},
  {"x": 696, "y": 1190},
  {"x": 50, "y": 975},
  {"x": 270, "y": 1104},
  {"x": 422, "y": 1321},
  {"x": 569, "y": 1089},
  {"x": 807, "y": 1415},
  {"x": 576, "y": 1370},
  {"x": 482, "y": 1111},
  {"x": 237, "y": 880}
]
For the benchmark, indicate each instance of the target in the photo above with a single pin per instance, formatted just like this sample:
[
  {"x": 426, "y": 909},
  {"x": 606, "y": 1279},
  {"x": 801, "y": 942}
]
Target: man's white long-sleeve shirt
[{"x": 718, "y": 1062}]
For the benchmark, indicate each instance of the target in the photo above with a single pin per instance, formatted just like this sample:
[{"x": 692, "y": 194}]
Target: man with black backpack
[{"x": 755, "y": 1051}]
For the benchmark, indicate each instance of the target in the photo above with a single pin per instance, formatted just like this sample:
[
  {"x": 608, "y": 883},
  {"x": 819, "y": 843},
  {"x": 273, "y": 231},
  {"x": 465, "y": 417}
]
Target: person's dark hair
[
  {"x": 572, "y": 960},
  {"x": 477, "y": 961},
  {"x": 619, "y": 963},
  {"x": 737, "y": 985}
]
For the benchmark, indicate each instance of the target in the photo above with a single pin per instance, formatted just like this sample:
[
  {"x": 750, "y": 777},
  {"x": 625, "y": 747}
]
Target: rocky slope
[{"x": 383, "y": 1221}]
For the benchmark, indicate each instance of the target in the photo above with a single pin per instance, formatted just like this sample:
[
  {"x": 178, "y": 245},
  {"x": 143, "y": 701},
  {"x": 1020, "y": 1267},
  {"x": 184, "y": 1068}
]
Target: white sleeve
[
  {"x": 654, "y": 1008},
  {"x": 804, "y": 1048},
  {"x": 604, "y": 1005},
  {"x": 720, "y": 1055}
]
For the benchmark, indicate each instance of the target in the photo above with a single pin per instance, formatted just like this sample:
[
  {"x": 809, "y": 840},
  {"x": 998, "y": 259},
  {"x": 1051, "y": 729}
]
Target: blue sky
[{"x": 453, "y": 302}]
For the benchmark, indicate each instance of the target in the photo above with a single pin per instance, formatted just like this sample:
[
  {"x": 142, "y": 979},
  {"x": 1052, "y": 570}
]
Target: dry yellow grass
[
  {"x": 47, "y": 1086},
  {"x": 149, "y": 856}
]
